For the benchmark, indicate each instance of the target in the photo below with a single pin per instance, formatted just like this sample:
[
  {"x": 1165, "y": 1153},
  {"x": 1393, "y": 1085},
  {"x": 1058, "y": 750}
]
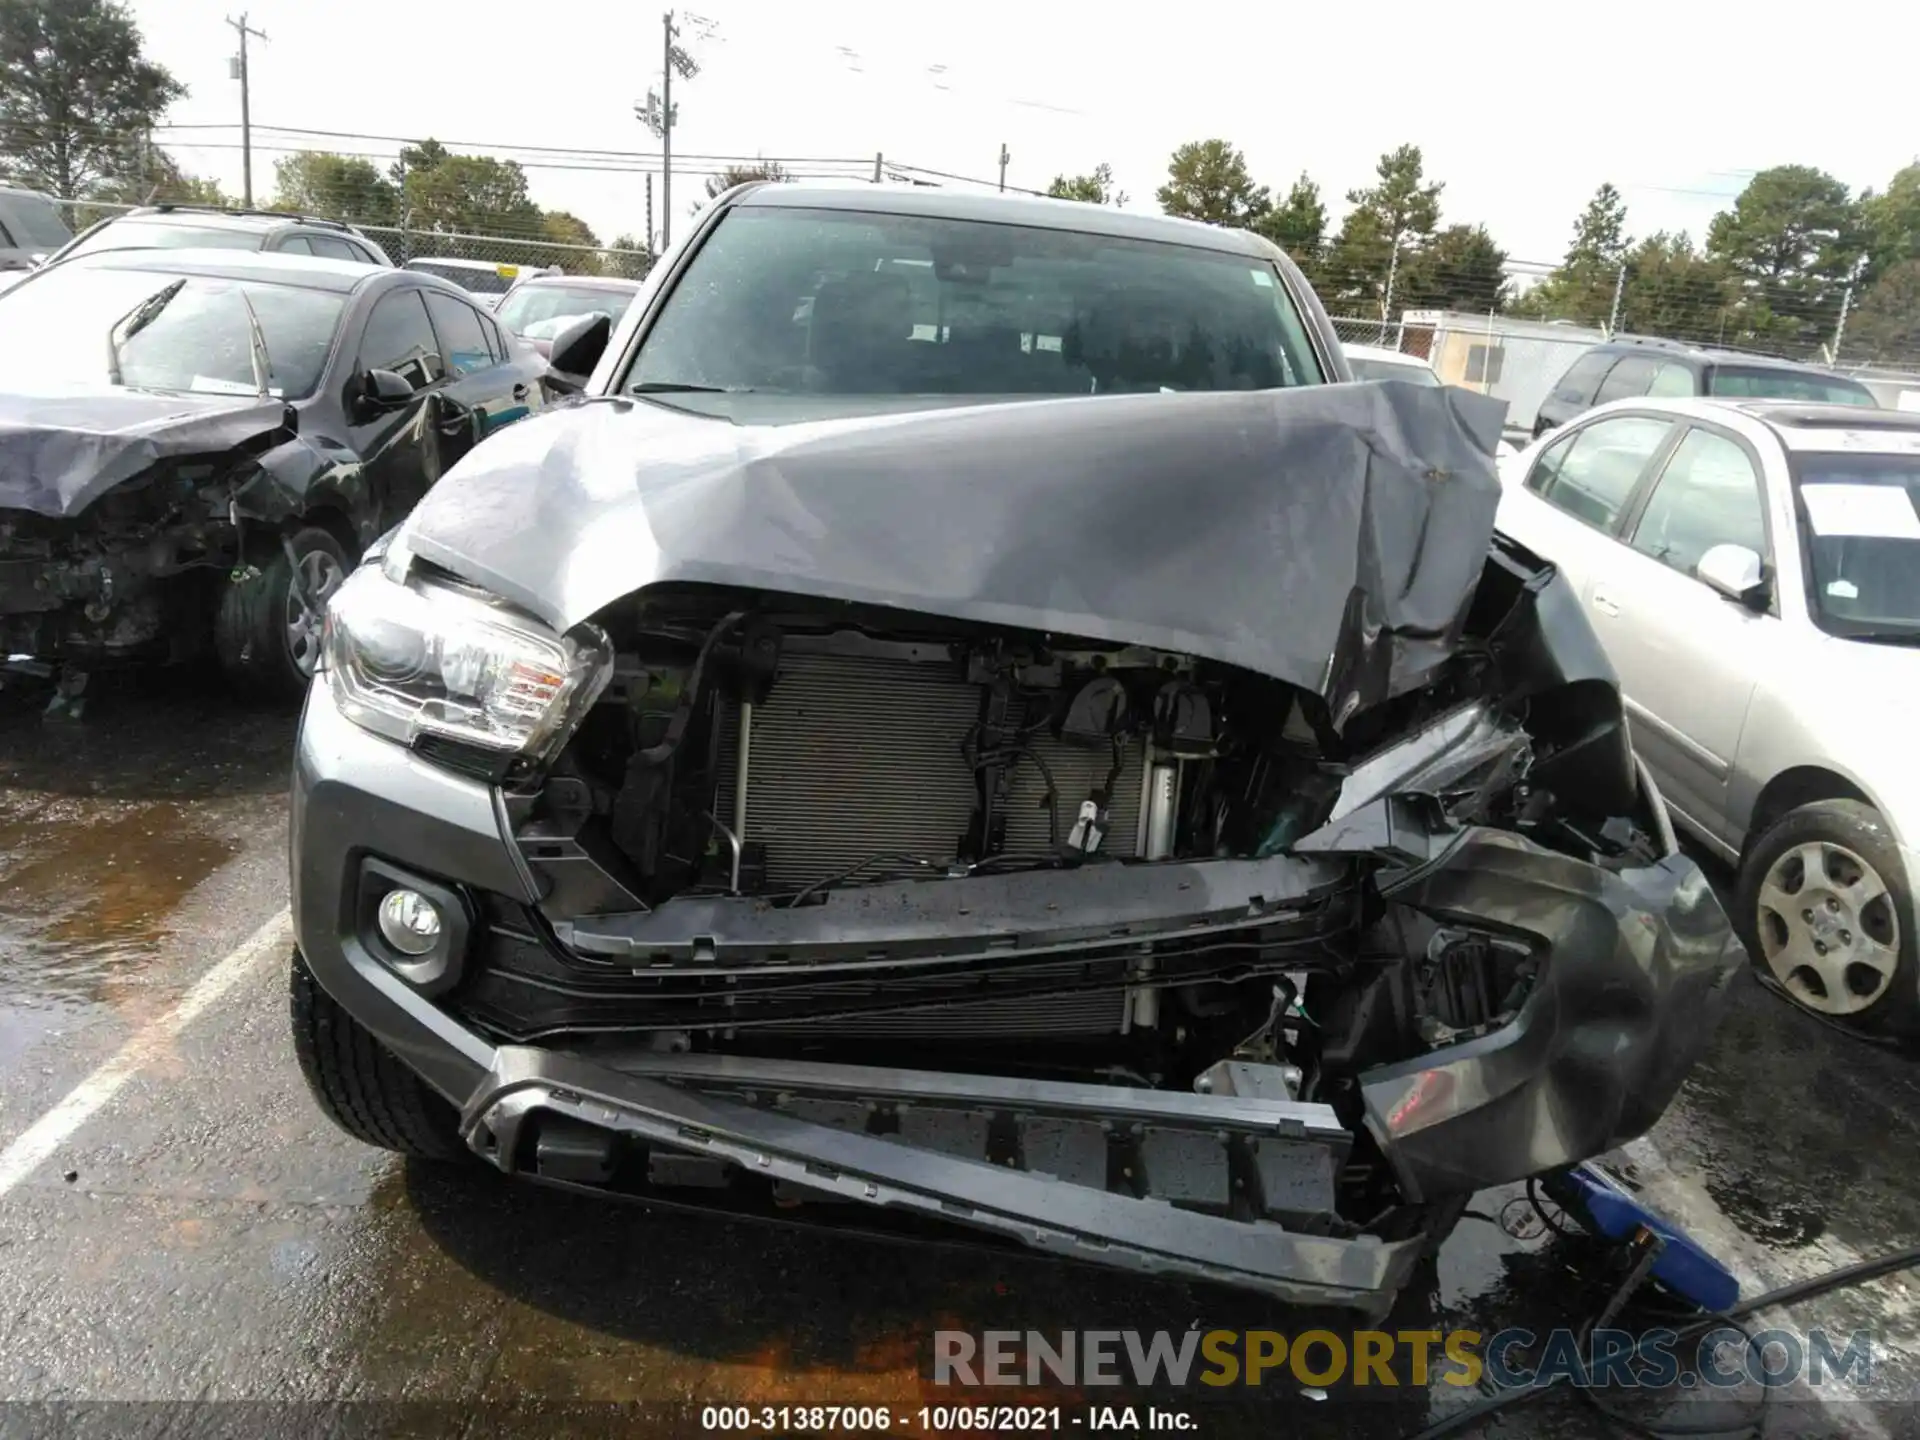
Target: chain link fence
[{"x": 404, "y": 245}]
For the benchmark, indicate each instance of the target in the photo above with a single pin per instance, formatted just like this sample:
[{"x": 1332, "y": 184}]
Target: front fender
[{"x": 1638, "y": 963}]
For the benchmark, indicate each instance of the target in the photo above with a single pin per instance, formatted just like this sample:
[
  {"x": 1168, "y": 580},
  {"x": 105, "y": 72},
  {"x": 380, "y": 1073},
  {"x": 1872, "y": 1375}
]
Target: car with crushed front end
[
  {"x": 196, "y": 446},
  {"x": 976, "y": 721}
]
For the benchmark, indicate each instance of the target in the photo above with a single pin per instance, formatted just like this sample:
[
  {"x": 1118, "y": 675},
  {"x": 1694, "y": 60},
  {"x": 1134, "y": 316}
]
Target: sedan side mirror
[
  {"x": 385, "y": 389},
  {"x": 577, "y": 349},
  {"x": 1737, "y": 573}
]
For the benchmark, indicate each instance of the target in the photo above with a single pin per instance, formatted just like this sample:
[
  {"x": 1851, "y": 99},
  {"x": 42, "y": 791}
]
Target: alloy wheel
[{"x": 1828, "y": 928}]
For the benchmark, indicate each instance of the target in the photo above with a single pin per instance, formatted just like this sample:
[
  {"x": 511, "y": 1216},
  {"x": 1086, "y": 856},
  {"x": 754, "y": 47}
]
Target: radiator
[{"x": 854, "y": 757}]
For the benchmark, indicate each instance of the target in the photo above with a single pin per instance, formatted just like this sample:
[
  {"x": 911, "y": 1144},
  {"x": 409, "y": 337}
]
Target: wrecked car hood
[
  {"x": 62, "y": 451},
  {"x": 1328, "y": 536}
]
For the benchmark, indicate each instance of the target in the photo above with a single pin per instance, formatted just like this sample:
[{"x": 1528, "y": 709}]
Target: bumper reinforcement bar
[{"x": 923, "y": 1169}]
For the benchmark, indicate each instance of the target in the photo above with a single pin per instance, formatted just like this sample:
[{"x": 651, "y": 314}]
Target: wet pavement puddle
[{"x": 84, "y": 906}]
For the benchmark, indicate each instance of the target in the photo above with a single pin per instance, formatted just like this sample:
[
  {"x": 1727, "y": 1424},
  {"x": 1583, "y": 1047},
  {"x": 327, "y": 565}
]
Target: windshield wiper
[
  {"x": 678, "y": 387},
  {"x": 257, "y": 349},
  {"x": 134, "y": 321}
]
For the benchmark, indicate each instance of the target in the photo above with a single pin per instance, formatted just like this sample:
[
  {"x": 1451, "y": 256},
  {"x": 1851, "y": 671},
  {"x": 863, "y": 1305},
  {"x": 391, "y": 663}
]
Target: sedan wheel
[
  {"x": 320, "y": 574},
  {"x": 1828, "y": 928},
  {"x": 1826, "y": 911},
  {"x": 269, "y": 626}
]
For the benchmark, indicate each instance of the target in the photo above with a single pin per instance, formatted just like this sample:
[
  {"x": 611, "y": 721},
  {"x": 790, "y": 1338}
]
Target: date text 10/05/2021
[{"x": 940, "y": 1419}]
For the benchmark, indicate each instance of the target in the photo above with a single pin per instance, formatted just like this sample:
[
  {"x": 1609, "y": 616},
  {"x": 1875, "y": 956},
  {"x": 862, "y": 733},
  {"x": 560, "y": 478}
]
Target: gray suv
[
  {"x": 1629, "y": 367},
  {"x": 207, "y": 227}
]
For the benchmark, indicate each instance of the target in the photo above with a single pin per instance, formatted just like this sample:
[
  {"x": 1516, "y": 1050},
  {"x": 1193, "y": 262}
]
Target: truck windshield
[
  {"x": 1862, "y": 523},
  {"x": 800, "y": 301}
]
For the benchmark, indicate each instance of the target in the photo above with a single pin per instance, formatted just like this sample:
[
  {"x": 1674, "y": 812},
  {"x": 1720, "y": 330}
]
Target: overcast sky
[{"x": 1521, "y": 111}]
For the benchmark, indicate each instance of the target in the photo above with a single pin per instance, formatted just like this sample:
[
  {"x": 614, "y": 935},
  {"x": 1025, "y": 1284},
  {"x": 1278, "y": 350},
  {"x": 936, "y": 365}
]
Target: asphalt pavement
[{"x": 186, "y": 1243}]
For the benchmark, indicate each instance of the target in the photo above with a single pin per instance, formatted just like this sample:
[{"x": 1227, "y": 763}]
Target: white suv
[{"x": 1753, "y": 570}]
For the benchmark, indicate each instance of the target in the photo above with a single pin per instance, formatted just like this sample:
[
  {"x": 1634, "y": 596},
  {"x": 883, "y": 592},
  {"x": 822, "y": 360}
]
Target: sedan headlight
[{"x": 407, "y": 658}]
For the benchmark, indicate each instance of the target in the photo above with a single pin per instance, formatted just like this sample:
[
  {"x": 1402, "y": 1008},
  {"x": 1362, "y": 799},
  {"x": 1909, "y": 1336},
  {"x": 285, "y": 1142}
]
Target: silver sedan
[{"x": 1753, "y": 571}]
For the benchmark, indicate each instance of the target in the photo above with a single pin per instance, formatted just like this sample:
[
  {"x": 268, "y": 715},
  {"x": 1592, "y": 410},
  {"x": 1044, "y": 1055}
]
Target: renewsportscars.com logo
[{"x": 1652, "y": 1359}]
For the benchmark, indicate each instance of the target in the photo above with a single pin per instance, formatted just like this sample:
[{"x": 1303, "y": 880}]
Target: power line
[
  {"x": 567, "y": 150},
  {"x": 714, "y": 165}
]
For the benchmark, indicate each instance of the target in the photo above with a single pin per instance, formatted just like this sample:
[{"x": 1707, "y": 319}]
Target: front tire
[
  {"x": 1826, "y": 911},
  {"x": 267, "y": 631},
  {"x": 360, "y": 1084}
]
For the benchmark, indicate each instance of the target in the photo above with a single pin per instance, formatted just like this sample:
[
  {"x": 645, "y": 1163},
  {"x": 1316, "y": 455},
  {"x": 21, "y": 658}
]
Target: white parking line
[{"x": 54, "y": 1128}]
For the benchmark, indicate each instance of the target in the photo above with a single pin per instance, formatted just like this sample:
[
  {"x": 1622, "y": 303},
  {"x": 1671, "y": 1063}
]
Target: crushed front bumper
[
  {"x": 923, "y": 1144},
  {"x": 1224, "y": 1186}
]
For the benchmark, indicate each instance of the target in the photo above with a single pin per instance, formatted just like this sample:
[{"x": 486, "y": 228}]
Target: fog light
[{"x": 409, "y": 922}]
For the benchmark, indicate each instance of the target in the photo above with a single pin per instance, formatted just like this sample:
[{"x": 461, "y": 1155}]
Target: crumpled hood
[
  {"x": 61, "y": 451},
  {"x": 1329, "y": 536}
]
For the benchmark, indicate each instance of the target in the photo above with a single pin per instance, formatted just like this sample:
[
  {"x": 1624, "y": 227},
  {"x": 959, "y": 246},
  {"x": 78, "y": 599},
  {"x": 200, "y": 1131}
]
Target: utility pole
[
  {"x": 1619, "y": 290},
  {"x": 1004, "y": 158},
  {"x": 239, "y": 72},
  {"x": 650, "y": 245},
  {"x": 666, "y": 126},
  {"x": 656, "y": 111}
]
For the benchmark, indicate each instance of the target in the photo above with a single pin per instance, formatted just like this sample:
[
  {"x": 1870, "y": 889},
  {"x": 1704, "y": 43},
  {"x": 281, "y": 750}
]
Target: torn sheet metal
[
  {"x": 1328, "y": 536},
  {"x": 60, "y": 453},
  {"x": 1639, "y": 964}
]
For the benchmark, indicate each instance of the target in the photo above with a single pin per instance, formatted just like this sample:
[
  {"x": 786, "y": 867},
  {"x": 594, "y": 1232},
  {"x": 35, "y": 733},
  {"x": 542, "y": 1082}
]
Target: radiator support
[{"x": 853, "y": 757}]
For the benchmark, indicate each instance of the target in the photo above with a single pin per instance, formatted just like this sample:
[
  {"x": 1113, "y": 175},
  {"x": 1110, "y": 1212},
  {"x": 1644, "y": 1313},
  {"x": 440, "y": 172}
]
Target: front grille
[{"x": 856, "y": 757}]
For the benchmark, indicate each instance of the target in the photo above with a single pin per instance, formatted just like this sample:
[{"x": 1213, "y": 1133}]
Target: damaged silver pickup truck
[{"x": 972, "y": 723}]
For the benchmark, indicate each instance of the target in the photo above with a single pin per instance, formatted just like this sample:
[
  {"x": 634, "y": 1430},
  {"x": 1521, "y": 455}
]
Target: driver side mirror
[
  {"x": 576, "y": 350},
  {"x": 385, "y": 389},
  {"x": 1737, "y": 573}
]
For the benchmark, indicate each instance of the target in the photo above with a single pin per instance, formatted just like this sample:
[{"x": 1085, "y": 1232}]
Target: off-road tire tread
[{"x": 360, "y": 1084}]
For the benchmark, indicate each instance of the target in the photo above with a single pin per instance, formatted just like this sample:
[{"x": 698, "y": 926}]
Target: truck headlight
[{"x": 415, "y": 657}]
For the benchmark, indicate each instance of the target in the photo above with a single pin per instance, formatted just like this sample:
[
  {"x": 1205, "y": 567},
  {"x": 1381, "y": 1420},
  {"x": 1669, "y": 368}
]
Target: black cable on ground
[
  {"x": 1540, "y": 1209},
  {"x": 1671, "y": 1430},
  {"x": 1473, "y": 1415}
]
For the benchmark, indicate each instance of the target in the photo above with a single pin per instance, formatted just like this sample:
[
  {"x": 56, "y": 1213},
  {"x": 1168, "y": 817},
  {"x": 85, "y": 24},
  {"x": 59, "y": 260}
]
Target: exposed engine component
[
  {"x": 857, "y": 756},
  {"x": 794, "y": 758}
]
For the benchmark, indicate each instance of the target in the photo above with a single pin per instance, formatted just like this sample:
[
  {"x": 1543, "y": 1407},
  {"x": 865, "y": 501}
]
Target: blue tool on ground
[{"x": 1608, "y": 1209}]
